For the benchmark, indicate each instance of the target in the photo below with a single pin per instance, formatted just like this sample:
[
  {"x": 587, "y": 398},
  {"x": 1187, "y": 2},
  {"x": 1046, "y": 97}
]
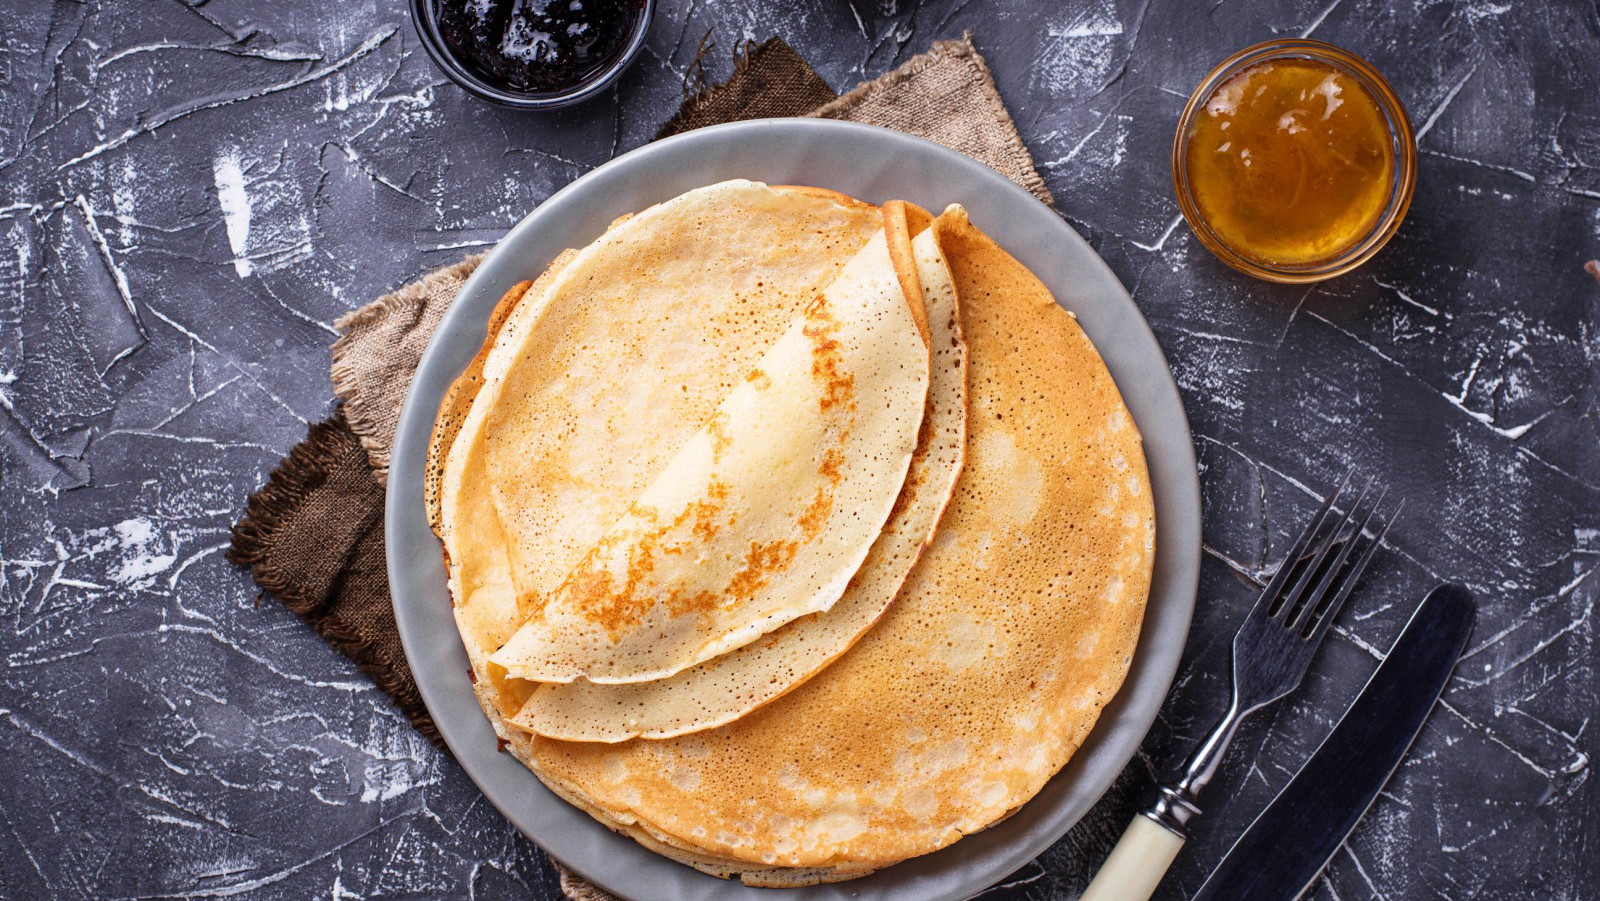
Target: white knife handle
[{"x": 1136, "y": 864}]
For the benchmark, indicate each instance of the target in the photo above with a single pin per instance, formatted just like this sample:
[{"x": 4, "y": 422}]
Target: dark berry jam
[{"x": 539, "y": 46}]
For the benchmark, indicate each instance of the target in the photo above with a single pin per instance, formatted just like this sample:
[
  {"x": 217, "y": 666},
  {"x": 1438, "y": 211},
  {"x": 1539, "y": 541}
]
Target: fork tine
[
  {"x": 1354, "y": 576},
  {"x": 1298, "y": 593},
  {"x": 1308, "y": 611},
  {"x": 1269, "y": 594}
]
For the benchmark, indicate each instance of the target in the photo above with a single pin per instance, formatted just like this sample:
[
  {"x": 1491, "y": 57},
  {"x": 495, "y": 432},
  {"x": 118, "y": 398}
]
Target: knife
[{"x": 1286, "y": 848}]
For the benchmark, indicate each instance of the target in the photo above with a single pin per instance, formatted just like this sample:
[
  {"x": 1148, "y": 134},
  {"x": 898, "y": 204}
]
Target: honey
[{"x": 1290, "y": 162}]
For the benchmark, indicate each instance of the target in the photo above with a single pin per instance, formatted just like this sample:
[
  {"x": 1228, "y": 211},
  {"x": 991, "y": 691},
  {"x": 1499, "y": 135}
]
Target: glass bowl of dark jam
[{"x": 533, "y": 54}]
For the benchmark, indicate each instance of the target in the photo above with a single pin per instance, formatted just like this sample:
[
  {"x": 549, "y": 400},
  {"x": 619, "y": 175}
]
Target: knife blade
[{"x": 1286, "y": 848}]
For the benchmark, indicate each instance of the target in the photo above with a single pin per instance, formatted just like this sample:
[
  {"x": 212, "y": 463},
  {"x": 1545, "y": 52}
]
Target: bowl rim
[
  {"x": 425, "y": 20},
  {"x": 1402, "y": 141}
]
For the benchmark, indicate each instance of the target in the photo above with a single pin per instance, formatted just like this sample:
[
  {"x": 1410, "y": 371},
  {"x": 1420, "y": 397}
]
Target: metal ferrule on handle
[
  {"x": 1154, "y": 838},
  {"x": 1178, "y": 803}
]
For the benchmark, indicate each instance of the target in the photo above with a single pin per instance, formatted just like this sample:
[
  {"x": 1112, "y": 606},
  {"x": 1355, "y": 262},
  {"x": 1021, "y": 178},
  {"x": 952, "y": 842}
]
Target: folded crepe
[
  {"x": 595, "y": 374},
  {"x": 725, "y": 688},
  {"x": 766, "y": 512}
]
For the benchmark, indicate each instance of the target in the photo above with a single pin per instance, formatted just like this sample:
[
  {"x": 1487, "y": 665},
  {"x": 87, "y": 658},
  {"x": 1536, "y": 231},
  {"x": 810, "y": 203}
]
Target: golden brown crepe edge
[
  {"x": 898, "y": 230},
  {"x": 464, "y": 389}
]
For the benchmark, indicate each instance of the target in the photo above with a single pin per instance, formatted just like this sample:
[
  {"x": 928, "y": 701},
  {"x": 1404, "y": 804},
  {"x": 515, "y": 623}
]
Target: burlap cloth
[{"x": 313, "y": 535}]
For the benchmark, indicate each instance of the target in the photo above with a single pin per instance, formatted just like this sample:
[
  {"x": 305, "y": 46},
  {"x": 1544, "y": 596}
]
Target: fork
[{"x": 1271, "y": 652}]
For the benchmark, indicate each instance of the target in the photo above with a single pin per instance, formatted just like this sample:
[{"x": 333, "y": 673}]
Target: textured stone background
[{"x": 190, "y": 192}]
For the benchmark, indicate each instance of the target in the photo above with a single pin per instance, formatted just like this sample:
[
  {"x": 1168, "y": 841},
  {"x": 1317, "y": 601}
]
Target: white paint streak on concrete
[{"x": 235, "y": 202}]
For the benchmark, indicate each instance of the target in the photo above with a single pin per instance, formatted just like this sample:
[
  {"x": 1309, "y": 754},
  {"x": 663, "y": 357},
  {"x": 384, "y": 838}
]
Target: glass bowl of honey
[{"x": 1294, "y": 161}]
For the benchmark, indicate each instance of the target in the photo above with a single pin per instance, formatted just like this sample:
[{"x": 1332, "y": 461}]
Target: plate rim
[{"x": 1115, "y": 325}]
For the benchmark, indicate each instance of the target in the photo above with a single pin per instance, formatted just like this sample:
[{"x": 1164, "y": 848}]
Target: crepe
[
  {"x": 687, "y": 295},
  {"x": 987, "y": 671},
  {"x": 764, "y": 514},
  {"x": 724, "y": 689}
]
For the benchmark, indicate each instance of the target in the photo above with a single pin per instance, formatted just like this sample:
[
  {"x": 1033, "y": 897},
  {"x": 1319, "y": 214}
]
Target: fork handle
[{"x": 1137, "y": 863}]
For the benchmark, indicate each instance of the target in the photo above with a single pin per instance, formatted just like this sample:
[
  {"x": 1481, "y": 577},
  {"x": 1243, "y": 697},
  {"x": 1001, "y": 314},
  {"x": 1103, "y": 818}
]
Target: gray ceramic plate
[{"x": 876, "y": 165}]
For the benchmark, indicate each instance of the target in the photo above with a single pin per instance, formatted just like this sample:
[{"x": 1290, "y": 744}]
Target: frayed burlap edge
[
  {"x": 363, "y": 420},
  {"x": 296, "y": 476},
  {"x": 252, "y": 537},
  {"x": 961, "y": 50},
  {"x": 748, "y": 54},
  {"x": 709, "y": 94}
]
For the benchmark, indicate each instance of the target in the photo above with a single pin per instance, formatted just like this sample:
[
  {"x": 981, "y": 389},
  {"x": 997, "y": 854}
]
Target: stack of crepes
[{"x": 791, "y": 535}]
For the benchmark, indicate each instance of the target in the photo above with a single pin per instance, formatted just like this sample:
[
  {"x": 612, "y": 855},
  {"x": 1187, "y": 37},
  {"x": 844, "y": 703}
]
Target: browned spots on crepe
[
  {"x": 705, "y": 512},
  {"x": 816, "y": 513},
  {"x": 764, "y": 559},
  {"x": 620, "y": 607},
  {"x": 717, "y": 425},
  {"x": 830, "y": 466},
  {"x": 838, "y": 384}
]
